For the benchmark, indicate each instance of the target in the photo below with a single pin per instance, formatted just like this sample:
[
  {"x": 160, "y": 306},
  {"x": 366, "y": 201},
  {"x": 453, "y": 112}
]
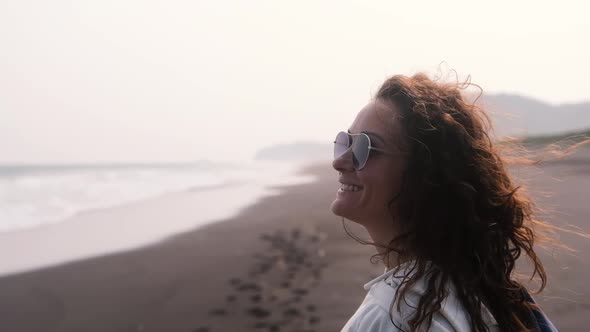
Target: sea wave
[{"x": 33, "y": 195}]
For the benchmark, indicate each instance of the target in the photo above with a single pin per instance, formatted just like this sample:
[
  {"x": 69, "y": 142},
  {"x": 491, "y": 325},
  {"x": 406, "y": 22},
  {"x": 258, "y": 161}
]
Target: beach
[{"x": 284, "y": 263}]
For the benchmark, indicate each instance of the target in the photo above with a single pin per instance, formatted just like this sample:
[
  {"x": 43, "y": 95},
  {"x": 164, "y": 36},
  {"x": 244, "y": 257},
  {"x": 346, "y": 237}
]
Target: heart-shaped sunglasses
[{"x": 360, "y": 144}]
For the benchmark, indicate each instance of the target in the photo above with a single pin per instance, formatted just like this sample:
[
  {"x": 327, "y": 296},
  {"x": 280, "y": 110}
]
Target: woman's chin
[
  {"x": 341, "y": 210},
  {"x": 338, "y": 209}
]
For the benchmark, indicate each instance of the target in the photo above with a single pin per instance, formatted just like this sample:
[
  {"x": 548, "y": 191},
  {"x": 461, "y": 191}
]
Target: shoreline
[
  {"x": 133, "y": 225},
  {"x": 181, "y": 282},
  {"x": 235, "y": 273}
]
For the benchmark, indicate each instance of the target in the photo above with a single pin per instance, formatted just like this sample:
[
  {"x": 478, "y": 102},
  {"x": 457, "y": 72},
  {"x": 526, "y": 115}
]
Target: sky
[{"x": 176, "y": 81}]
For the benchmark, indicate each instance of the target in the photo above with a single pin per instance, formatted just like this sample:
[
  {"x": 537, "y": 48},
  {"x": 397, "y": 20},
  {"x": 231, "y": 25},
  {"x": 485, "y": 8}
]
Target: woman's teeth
[{"x": 350, "y": 187}]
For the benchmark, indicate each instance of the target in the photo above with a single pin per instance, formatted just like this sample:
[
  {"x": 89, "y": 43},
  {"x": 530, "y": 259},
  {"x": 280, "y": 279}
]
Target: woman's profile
[{"x": 420, "y": 173}]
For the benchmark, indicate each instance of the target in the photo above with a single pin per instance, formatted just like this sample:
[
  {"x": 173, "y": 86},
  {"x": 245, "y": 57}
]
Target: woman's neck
[{"x": 382, "y": 233}]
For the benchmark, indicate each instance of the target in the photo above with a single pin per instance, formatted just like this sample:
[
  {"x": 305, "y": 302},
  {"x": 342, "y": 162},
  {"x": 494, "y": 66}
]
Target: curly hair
[{"x": 458, "y": 207}]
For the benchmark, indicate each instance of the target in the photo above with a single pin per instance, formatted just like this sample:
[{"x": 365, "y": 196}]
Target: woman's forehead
[{"x": 377, "y": 117}]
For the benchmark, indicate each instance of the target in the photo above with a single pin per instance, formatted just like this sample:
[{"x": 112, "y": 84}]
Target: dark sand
[{"x": 284, "y": 264}]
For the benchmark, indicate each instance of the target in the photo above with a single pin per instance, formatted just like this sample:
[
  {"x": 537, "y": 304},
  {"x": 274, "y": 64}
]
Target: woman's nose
[{"x": 344, "y": 162}]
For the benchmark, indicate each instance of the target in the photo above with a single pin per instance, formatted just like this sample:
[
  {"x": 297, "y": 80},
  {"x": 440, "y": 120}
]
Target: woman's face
[{"x": 379, "y": 181}]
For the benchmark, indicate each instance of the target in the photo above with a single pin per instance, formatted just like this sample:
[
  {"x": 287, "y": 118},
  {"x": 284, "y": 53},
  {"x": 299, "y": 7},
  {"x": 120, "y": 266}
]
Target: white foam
[
  {"x": 126, "y": 226},
  {"x": 34, "y": 199}
]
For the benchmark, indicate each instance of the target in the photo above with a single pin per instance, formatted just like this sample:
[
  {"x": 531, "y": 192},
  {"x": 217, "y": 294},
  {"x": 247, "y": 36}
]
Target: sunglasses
[{"x": 360, "y": 144}]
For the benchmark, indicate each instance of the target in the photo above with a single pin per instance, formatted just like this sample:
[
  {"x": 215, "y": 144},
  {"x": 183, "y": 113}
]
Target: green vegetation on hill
[{"x": 566, "y": 138}]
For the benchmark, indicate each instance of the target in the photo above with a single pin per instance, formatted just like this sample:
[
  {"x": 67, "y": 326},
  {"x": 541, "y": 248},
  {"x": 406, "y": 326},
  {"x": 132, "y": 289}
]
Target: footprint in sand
[
  {"x": 291, "y": 312},
  {"x": 218, "y": 312},
  {"x": 249, "y": 287},
  {"x": 314, "y": 320},
  {"x": 288, "y": 270},
  {"x": 258, "y": 312}
]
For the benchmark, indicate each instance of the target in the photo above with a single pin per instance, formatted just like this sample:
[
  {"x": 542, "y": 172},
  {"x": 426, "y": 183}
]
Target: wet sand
[{"x": 283, "y": 264}]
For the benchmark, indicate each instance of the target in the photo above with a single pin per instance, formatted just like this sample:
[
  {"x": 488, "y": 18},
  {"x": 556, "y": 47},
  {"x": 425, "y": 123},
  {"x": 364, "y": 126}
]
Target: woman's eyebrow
[{"x": 372, "y": 135}]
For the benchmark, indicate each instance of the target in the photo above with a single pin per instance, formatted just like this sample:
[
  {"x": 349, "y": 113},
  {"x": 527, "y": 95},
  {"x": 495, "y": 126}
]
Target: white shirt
[{"x": 373, "y": 315}]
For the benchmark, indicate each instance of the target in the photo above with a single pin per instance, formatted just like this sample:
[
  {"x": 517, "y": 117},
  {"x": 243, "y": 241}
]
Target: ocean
[{"x": 36, "y": 195}]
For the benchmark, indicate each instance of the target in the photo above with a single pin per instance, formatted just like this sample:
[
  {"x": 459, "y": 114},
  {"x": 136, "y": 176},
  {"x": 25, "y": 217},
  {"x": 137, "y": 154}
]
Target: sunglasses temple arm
[{"x": 381, "y": 150}]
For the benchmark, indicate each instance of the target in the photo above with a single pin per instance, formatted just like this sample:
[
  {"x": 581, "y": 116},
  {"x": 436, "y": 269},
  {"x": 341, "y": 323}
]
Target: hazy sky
[{"x": 97, "y": 81}]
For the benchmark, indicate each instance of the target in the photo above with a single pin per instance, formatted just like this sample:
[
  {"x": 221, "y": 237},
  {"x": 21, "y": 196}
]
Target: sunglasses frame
[{"x": 370, "y": 148}]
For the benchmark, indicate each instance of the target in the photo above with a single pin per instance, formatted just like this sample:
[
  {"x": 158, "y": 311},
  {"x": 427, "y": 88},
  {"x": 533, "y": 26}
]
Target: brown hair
[{"x": 458, "y": 208}]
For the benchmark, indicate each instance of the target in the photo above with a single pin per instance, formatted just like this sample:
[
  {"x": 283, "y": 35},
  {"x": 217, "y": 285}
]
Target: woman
[{"x": 419, "y": 172}]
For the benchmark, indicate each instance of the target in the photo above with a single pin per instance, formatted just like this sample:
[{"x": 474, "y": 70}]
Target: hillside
[{"x": 512, "y": 115}]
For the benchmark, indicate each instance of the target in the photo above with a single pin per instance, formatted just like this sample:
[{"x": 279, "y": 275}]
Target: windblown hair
[{"x": 461, "y": 218}]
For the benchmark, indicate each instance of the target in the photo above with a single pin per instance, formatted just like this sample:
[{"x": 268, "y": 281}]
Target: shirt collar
[
  {"x": 384, "y": 276},
  {"x": 387, "y": 274}
]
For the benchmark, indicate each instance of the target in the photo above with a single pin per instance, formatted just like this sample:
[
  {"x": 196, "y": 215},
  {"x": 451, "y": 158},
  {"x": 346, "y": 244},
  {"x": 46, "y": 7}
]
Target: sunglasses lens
[
  {"x": 341, "y": 144},
  {"x": 360, "y": 151}
]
